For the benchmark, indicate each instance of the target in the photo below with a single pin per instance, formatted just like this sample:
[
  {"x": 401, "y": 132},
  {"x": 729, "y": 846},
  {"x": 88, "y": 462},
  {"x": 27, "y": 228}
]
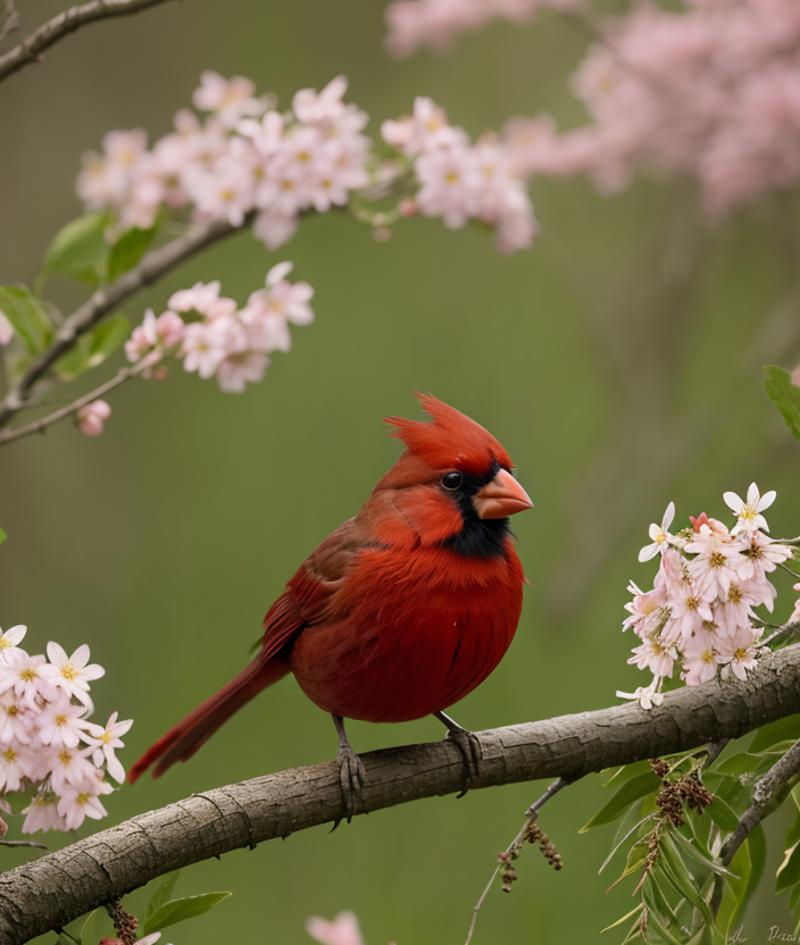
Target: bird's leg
[
  {"x": 469, "y": 746},
  {"x": 351, "y": 772}
]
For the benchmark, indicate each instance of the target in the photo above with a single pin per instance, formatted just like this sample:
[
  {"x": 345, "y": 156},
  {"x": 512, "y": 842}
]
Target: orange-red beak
[{"x": 501, "y": 497}]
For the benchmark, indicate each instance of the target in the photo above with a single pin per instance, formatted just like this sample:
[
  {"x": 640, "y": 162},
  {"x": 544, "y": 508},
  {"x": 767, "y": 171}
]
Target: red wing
[{"x": 307, "y": 597}]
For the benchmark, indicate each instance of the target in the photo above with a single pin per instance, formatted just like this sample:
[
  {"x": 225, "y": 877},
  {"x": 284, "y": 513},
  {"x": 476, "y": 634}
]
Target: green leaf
[
  {"x": 109, "y": 335},
  {"x": 93, "y": 348},
  {"x": 638, "y": 787},
  {"x": 774, "y": 732},
  {"x": 162, "y": 892},
  {"x": 722, "y": 814},
  {"x": 678, "y": 874},
  {"x": 128, "y": 250},
  {"x": 691, "y": 848},
  {"x": 176, "y": 910},
  {"x": 627, "y": 772},
  {"x": 79, "y": 249},
  {"x": 625, "y": 836},
  {"x": 789, "y": 871},
  {"x": 784, "y": 395},
  {"x": 27, "y": 316},
  {"x": 628, "y": 915},
  {"x": 654, "y": 918},
  {"x": 735, "y": 891},
  {"x": 3, "y": 536}
]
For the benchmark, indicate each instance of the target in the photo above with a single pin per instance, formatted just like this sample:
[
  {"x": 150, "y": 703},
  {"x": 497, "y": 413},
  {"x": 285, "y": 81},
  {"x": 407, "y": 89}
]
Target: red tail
[{"x": 183, "y": 739}]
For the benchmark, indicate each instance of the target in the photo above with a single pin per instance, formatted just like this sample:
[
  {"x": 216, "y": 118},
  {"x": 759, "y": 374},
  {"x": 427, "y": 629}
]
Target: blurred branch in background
[
  {"x": 30, "y": 50},
  {"x": 38, "y": 426},
  {"x": 50, "y": 892},
  {"x": 152, "y": 267},
  {"x": 11, "y": 19}
]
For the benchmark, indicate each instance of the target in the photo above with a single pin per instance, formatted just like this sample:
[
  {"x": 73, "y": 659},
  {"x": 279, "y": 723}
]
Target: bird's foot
[
  {"x": 468, "y": 744},
  {"x": 470, "y": 747},
  {"x": 351, "y": 781}
]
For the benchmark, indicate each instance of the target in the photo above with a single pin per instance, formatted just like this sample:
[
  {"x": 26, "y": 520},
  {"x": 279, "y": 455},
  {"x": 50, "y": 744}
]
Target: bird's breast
[{"x": 410, "y": 634}]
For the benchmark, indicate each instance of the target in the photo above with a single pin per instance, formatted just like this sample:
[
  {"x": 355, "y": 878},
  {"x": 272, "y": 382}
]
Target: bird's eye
[{"x": 452, "y": 480}]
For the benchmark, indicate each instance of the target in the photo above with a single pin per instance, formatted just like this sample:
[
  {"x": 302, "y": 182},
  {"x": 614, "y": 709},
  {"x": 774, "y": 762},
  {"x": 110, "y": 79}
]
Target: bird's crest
[{"x": 451, "y": 441}]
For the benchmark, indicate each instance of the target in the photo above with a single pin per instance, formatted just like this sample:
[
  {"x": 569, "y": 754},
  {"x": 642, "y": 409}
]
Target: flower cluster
[
  {"x": 216, "y": 338},
  {"x": 460, "y": 180},
  {"x": 700, "y": 613},
  {"x": 244, "y": 160},
  {"x": 91, "y": 418},
  {"x": 712, "y": 91},
  {"x": 342, "y": 930},
  {"x": 48, "y": 745},
  {"x": 437, "y": 23}
]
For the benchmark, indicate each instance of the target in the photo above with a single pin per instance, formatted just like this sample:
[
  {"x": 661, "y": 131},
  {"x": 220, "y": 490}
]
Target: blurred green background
[{"x": 619, "y": 361}]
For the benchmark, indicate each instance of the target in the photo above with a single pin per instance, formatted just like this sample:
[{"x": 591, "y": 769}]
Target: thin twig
[
  {"x": 37, "y": 426},
  {"x": 11, "y": 21},
  {"x": 153, "y": 266},
  {"x": 31, "y": 49},
  {"x": 715, "y": 749},
  {"x": 32, "y": 844},
  {"x": 764, "y": 794},
  {"x": 530, "y": 815},
  {"x": 787, "y": 630}
]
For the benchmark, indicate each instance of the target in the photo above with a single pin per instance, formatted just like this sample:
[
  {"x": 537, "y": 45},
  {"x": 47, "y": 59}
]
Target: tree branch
[
  {"x": 31, "y": 49},
  {"x": 38, "y": 426},
  {"x": 764, "y": 794},
  {"x": 11, "y": 21},
  {"x": 153, "y": 266},
  {"x": 52, "y": 891}
]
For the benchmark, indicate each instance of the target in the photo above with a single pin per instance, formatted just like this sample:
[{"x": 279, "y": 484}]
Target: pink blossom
[
  {"x": 654, "y": 655},
  {"x": 763, "y": 555},
  {"x": 23, "y": 674},
  {"x": 749, "y": 512},
  {"x": 9, "y": 640},
  {"x": 42, "y": 814},
  {"x": 106, "y": 740},
  {"x": 72, "y": 673},
  {"x": 77, "y": 802},
  {"x": 13, "y": 767},
  {"x": 6, "y": 330},
  {"x": 342, "y": 930},
  {"x": 154, "y": 333},
  {"x": 738, "y": 653},
  {"x": 659, "y": 535},
  {"x": 207, "y": 344},
  {"x": 699, "y": 663},
  {"x": 795, "y": 376},
  {"x": 17, "y": 721},
  {"x": 646, "y": 610},
  {"x": 438, "y": 23},
  {"x": 702, "y": 608},
  {"x": 61, "y": 722},
  {"x": 710, "y": 90},
  {"x": 91, "y": 417},
  {"x": 325, "y": 107},
  {"x": 717, "y": 563},
  {"x": 237, "y": 370},
  {"x": 795, "y": 615},
  {"x": 230, "y": 99}
]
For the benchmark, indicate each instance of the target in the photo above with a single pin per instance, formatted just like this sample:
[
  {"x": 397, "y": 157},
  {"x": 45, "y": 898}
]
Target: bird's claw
[
  {"x": 469, "y": 745},
  {"x": 351, "y": 780}
]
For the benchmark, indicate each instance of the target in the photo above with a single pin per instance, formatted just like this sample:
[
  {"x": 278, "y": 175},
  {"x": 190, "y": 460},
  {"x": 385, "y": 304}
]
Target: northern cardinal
[{"x": 403, "y": 609}]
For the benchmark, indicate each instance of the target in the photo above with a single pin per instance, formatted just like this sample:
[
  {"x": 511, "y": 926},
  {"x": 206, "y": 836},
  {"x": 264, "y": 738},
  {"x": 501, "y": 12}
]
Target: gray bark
[
  {"x": 31, "y": 49},
  {"x": 55, "y": 889}
]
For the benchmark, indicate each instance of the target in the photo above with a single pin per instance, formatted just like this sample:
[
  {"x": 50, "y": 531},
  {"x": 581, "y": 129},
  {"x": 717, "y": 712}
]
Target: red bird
[{"x": 403, "y": 609}]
